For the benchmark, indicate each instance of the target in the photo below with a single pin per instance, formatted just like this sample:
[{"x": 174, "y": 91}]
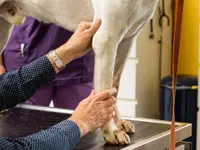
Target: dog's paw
[
  {"x": 117, "y": 137},
  {"x": 126, "y": 126}
]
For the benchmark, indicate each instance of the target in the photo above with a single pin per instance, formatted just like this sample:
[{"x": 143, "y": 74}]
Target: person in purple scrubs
[{"x": 34, "y": 39}]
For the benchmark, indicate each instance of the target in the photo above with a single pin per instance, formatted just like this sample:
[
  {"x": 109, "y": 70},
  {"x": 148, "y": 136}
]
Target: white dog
[{"x": 122, "y": 20}]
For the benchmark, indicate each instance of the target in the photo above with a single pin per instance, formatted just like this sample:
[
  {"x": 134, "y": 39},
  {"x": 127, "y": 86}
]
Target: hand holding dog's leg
[{"x": 94, "y": 111}]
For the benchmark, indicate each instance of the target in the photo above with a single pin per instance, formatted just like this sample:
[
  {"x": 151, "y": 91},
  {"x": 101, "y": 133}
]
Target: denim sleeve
[
  {"x": 19, "y": 85},
  {"x": 63, "y": 136}
]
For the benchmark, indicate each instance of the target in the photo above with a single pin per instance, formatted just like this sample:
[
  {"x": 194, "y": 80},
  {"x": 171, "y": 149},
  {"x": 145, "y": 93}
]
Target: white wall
[{"x": 139, "y": 87}]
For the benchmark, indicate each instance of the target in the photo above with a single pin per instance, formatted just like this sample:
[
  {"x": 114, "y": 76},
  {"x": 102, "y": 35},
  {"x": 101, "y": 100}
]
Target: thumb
[
  {"x": 95, "y": 26},
  {"x": 92, "y": 93}
]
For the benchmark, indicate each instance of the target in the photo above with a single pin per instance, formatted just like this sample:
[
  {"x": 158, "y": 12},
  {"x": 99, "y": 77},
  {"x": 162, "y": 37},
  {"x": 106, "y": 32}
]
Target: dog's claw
[
  {"x": 117, "y": 138},
  {"x": 127, "y": 126}
]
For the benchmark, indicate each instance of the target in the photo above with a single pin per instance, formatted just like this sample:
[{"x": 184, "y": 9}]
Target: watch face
[{"x": 59, "y": 63}]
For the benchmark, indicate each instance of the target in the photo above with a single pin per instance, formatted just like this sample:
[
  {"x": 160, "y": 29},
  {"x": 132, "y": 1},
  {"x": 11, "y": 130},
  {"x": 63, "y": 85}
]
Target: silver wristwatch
[{"x": 59, "y": 63}]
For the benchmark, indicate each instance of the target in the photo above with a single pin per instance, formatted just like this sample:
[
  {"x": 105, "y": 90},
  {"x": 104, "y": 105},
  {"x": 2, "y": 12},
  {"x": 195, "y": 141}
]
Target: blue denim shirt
[{"x": 33, "y": 39}]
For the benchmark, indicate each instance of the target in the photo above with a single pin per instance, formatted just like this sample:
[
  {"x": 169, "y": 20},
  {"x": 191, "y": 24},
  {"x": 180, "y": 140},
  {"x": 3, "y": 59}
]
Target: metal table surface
[{"x": 150, "y": 134}]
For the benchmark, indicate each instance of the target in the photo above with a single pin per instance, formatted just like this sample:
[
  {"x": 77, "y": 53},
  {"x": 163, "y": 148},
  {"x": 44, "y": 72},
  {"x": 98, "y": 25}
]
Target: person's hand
[
  {"x": 2, "y": 69},
  {"x": 81, "y": 40},
  {"x": 78, "y": 45},
  {"x": 94, "y": 111}
]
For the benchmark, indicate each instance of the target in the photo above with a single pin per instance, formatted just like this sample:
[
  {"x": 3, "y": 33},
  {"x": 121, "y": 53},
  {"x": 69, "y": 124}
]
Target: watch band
[{"x": 58, "y": 62}]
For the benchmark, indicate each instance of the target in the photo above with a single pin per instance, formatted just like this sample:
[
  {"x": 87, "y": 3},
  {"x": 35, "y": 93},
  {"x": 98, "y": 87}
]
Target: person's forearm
[
  {"x": 1, "y": 60},
  {"x": 64, "y": 53},
  {"x": 63, "y": 136},
  {"x": 2, "y": 68},
  {"x": 19, "y": 85}
]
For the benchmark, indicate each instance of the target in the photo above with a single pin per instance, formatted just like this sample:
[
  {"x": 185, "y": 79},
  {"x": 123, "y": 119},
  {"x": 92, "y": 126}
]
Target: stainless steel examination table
[{"x": 150, "y": 134}]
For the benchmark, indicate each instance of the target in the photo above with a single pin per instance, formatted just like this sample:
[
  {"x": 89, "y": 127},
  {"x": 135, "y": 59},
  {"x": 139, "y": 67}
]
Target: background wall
[
  {"x": 145, "y": 100},
  {"x": 148, "y": 52},
  {"x": 188, "y": 63},
  {"x": 142, "y": 95}
]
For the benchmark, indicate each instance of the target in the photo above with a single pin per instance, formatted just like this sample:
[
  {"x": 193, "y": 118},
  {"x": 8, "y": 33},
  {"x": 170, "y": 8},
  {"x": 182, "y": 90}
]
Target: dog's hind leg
[{"x": 122, "y": 53}]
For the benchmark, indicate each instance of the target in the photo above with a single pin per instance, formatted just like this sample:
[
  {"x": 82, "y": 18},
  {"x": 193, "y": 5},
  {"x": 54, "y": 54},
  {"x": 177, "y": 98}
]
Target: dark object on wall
[
  {"x": 186, "y": 107},
  {"x": 164, "y": 15},
  {"x": 151, "y": 36}
]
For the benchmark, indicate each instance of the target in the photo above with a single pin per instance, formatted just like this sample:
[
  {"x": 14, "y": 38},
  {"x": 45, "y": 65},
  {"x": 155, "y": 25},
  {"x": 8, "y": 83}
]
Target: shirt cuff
[
  {"x": 64, "y": 135},
  {"x": 43, "y": 69},
  {"x": 68, "y": 125}
]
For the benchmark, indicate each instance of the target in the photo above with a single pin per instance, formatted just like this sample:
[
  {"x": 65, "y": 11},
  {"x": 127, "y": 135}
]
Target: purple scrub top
[{"x": 34, "y": 39}]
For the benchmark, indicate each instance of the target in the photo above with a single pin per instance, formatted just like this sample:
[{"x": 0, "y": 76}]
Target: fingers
[
  {"x": 89, "y": 27},
  {"x": 109, "y": 102},
  {"x": 109, "y": 117},
  {"x": 95, "y": 26},
  {"x": 110, "y": 110},
  {"x": 85, "y": 25},
  {"x": 92, "y": 93},
  {"x": 106, "y": 94}
]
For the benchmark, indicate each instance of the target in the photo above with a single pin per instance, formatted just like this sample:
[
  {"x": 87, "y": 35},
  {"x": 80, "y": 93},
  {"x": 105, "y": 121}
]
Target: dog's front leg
[{"x": 105, "y": 47}]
